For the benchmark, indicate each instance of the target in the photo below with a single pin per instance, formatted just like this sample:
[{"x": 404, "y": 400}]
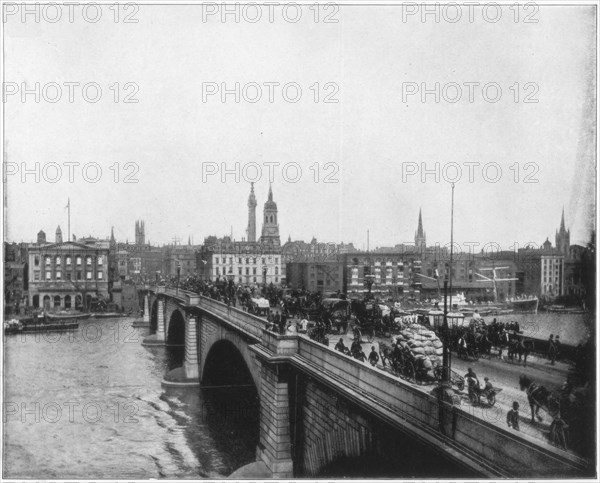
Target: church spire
[
  {"x": 420, "y": 227},
  {"x": 270, "y": 193},
  {"x": 562, "y": 220},
  {"x": 420, "y": 240}
]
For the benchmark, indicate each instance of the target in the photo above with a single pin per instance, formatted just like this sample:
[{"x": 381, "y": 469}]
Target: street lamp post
[{"x": 369, "y": 281}]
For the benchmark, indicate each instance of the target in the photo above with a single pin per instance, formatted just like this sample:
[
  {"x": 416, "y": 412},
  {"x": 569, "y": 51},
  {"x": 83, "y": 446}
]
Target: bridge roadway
[{"x": 341, "y": 407}]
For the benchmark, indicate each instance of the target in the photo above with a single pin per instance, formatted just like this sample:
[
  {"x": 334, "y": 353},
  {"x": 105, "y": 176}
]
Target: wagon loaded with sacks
[{"x": 415, "y": 353}]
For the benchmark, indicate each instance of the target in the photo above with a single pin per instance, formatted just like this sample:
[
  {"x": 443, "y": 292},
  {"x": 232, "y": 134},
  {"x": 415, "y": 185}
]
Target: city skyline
[
  {"x": 367, "y": 142},
  {"x": 466, "y": 246}
]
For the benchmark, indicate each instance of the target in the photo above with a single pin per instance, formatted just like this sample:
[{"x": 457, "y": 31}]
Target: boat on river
[
  {"x": 64, "y": 316},
  {"x": 15, "y": 326},
  {"x": 526, "y": 305},
  {"x": 109, "y": 315}
]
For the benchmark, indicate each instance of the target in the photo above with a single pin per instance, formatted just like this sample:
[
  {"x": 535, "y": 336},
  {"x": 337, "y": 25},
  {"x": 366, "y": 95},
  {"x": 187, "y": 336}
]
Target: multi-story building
[
  {"x": 180, "y": 255},
  {"x": 71, "y": 274},
  {"x": 15, "y": 277},
  {"x": 244, "y": 262}
]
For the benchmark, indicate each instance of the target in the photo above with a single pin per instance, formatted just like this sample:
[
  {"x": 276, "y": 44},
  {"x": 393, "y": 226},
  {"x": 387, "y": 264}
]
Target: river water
[
  {"x": 89, "y": 404},
  {"x": 573, "y": 329}
]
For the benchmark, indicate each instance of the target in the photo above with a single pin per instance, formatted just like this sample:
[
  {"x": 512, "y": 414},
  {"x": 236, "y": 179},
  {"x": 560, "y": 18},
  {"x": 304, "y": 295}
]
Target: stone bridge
[{"x": 319, "y": 407}]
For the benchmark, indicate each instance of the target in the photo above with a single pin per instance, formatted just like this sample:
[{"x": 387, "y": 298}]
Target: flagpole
[{"x": 69, "y": 222}]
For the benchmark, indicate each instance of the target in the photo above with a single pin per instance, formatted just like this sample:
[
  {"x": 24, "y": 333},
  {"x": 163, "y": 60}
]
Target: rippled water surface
[{"x": 89, "y": 404}]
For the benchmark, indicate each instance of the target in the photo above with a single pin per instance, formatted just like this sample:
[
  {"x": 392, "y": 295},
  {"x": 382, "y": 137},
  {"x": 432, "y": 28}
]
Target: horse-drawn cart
[
  {"x": 455, "y": 378},
  {"x": 259, "y": 306}
]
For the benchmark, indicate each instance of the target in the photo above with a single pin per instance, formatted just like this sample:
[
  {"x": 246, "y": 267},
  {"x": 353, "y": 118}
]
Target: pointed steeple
[
  {"x": 562, "y": 220},
  {"x": 420, "y": 227},
  {"x": 420, "y": 240},
  {"x": 112, "y": 235}
]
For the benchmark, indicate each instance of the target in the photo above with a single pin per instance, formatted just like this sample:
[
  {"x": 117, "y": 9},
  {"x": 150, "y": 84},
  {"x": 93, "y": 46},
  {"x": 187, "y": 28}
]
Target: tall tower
[
  {"x": 270, "y": 229},
  {"x": 58, "y": 238},
  {"x": 420, "y": 241},
  {"x": 140, "y": 235},
  {"x": 563, "y": 237},
  {"x": 252, "y": 215}
]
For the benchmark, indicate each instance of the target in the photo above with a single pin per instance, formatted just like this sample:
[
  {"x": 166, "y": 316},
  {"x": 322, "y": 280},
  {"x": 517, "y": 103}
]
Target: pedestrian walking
[
  {"x": 551, "y": 349},
  {"x": 373, "y": 356},
  {"x": 557, "y": 347},
  {"x": 360, "y": 355},
  {"x": 512, "y": 417}
]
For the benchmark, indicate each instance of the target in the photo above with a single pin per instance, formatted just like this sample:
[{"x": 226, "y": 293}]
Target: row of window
[
  {"x": 89, "y": 275},
  {"x": 247, "y": 280},
  {"x": 223, "y": 260},
  {"x": 68, "y": 260},
  {"x": 230, "y": 271}
]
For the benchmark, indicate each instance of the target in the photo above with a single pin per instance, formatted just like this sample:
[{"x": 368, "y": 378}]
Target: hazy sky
[{"x": 372, "y": 57}]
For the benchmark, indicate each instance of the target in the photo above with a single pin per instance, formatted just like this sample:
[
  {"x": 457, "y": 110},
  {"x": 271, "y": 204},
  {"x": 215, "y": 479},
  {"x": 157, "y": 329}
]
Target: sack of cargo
[
  {"x": 427, "y": 364},
  {"x": 418, "y": 350},
  {"x": 438, "y": 344},
  {"x": 439, "y": 351},
  {"x": 429, "y": 351}
]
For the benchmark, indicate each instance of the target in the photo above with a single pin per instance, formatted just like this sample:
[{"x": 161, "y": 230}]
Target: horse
[{"x": 538, "y": 397}]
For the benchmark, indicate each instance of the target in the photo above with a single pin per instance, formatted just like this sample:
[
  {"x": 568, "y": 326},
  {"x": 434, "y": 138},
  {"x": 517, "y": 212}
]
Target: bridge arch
[
  {"x": 175, "y": 339},
  {"x": 225, "y": 365}
]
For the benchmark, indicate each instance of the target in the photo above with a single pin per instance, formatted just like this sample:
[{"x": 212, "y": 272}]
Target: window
[
  {"x": 88, "y": 261},
  {"x": 254, "y": 280},
  {"x": 88, "y": 275},
  {"x": 36, "y": 260},
  {"x": 240, "y": 280},
  {"x": 231, "y": 260},
  {"x": 247, "y": 271},
  {"x": 100, "y": 260},
  {"x": 247, "y": 261},
  {"x": 276, "y": 279},
  {"x": 276, "y": 260},
  {"x": 217, "y": 271},
  {"x": 48, "y": 261},
  {"x": 78, "y": 261},
  {"x": 68, "y": 275},
  {"x": 58, "y": 275},
  {"x": 276, "y": 270},
  {"x": 36, "y": 275},
  {"x": 69, "y": 261},
  {"x": 78, "y": 275},
  {"x": 254, "y": 261},
  {"x": 100, "y": 275},
  {"x": 240, "y": 260},
  {"x": 264, "y": 260},
  {"x": 239, "y": 270},
  {"x": 58, "y": 260},
  {"x": 254, "y": 271},
  {"x": 217, "y": 260},
  {"x": 48, "y": 275}
]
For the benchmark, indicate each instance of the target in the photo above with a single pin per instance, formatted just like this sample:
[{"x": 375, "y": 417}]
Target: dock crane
[{"x": 494, "y": 278}]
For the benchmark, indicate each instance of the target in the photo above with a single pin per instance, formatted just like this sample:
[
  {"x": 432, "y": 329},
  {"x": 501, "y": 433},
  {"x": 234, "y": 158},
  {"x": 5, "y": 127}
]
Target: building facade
[
  {"x": 244, "y": 262},
  {"x": 68, "y": 275}
]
